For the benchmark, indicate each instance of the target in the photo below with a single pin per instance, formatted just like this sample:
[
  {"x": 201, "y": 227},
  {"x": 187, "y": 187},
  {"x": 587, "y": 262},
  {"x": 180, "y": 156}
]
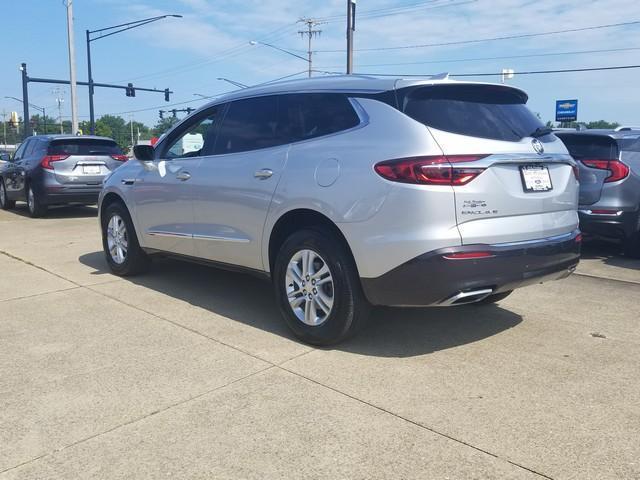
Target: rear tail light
[
  {"x": 120, "y": 158},
  {"x": 467, "y": 255},
  {"x": 576, "y": 171},
  {"x": 49, "y": 159},
  {"x": 579, "y": 238},
  {"x": 432, "y": 170},
  {"x": 617, "y": 169},
  {"x": 605, "y": 212}
]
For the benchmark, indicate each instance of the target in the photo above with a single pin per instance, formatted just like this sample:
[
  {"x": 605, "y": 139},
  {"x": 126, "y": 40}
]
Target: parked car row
[{"x": 349, "y": 192}]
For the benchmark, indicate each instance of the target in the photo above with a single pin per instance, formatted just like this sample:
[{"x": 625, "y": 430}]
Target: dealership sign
[{"x": 566, "y": 110}]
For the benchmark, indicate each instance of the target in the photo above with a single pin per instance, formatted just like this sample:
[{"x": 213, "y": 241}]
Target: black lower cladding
[
  {"x": 431, "y": 278},
  {"x": 616, "y": 226}
]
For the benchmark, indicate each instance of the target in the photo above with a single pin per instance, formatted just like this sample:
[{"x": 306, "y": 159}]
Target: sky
[{"x": 212, "y": 38}]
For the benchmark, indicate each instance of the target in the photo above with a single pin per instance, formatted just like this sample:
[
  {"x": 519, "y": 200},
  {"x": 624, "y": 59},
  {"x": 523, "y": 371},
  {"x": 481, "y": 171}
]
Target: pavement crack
[
  {"x": 415, "y": 423},
  {"x": 39, "y": 294},
  {"x": 31, "y": 264}
]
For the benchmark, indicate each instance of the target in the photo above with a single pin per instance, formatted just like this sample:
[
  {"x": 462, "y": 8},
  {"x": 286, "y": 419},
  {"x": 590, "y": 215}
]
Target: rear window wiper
[{"x": 541, "y": 132}]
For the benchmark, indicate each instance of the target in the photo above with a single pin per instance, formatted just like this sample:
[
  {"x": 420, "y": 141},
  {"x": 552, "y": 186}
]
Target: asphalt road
[{"x": 188, "y": 372}]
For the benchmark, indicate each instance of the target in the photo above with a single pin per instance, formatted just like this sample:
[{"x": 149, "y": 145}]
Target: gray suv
[
  {"x": 354, "y": 191},
  {"x": 56, "y": 170},
  {"x": 609, "y": 183}
]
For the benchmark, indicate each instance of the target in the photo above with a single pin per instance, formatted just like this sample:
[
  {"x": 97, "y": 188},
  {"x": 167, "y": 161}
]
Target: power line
[
  {"x": 481, "y": 40},
  {"x": 460, "y": 60},
  {"x": 398, "y": 10}
]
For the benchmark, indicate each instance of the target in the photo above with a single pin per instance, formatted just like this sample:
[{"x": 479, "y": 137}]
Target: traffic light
[
  {"x": 130, "y": 91},
  {"x": 161, "y": 112},
  {"x": 166, "y": 94}
]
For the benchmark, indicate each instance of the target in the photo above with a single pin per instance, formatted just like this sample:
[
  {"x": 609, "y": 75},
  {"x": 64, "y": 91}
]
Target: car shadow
[
  {"x": 59, "y": 212},
  {"x": 391, "y": 332},
  {"x": 608, "y": 252}
]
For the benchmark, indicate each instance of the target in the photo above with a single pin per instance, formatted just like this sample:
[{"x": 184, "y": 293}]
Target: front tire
[
  {"x": 120, "y": 243},
  {"x": 5, "y": 203},
  {"x": 36, "y": 207},
  {"x": 318, "y": 289}
]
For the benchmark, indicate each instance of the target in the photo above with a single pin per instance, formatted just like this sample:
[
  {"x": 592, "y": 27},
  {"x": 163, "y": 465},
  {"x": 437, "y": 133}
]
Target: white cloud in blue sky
[{"x": 212, "y": 40}]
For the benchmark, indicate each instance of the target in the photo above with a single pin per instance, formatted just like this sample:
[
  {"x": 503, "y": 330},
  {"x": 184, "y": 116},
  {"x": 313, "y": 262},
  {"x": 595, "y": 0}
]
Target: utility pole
[
  {"x": 59, "y": 100},
  {"x": 4, "y": 127},
  {"x": 72, "y": 67},
  {"x": 131, "y": 128},
  {"x": 25, "y": 101},
  {"x": 310, "y": 33},
  {"x": 351, "y": 27}
]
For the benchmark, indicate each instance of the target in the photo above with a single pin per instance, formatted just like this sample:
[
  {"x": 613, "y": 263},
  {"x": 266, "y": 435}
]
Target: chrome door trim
[
  {"x": 217, "y": 238},
  {"x": 161, "y": 233}
]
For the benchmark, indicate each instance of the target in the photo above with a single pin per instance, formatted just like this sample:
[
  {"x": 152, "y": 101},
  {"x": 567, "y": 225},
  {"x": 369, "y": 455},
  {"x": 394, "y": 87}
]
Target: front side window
[
  {"x": 196, "y": 140},
  {"x": 250, "y": 124}
]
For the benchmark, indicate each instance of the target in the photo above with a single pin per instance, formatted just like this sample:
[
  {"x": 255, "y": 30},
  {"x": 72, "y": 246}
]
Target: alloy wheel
[
  {"x": 117, "y": 239},
  {"x": 3, "y": 194},
  {"x": 309, "y": 287},
  {"x": 31, "y": 200}
]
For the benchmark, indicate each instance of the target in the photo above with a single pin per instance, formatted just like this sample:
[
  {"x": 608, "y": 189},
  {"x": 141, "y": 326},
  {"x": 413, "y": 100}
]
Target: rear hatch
[
  {"x": 83, "y": 161},
  {"x": 595, "y": 155},
  {"x": 518, "y": 181}
]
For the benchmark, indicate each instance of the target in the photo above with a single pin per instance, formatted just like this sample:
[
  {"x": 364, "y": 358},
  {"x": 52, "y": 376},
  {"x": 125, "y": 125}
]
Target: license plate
[
  {"x": 535, "y": 178},
  {"x": 91, "y": 169}
]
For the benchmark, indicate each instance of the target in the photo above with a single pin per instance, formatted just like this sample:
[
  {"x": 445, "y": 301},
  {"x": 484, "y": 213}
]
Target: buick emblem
[{"x": 537, "y": 146}]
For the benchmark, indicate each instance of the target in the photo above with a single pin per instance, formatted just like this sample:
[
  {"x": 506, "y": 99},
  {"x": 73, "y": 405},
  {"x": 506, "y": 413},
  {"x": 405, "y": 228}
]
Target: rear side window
[
  {"x": 582, "y": 146},
  {"x": 311, "y": 115},
  {"x": 81, "y": 146},
  {"x": 485, "y": 111}
]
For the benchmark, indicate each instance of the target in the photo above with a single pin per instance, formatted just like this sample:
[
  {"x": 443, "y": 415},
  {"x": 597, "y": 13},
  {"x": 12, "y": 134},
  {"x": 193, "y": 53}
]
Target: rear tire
[
  {"x": 120, "y": 243},
  {"x": 495, "y": 298},
  {"x": 5, "y": 203},
  {"x": 36, "y": 207},
  {"x": 322, "y": 302}
]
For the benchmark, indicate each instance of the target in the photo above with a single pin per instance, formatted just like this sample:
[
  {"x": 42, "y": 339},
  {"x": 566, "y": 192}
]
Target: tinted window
[
  {"x": 250, "y": 124},
  {"x": 196, "y": 138},
  {"x": 630, "y": 143},
  {"x": 19, "y": 151},
  {"x": 484, "y": 111},
  {"x": 310, "y": 115},
  {"x": 582, "y": 146},
  {"x": 80, "y": 146}
]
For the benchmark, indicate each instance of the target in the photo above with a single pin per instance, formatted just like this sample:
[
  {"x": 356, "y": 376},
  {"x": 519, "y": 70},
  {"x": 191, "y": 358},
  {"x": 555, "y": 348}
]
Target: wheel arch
[{"x": 295, "y": 220}]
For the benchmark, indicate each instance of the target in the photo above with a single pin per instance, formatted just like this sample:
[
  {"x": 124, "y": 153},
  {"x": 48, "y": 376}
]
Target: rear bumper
[
  {"x": 71, "y": 195},
  {"x": 431, "y": 279},
  {"x": 621, "y": 225}
]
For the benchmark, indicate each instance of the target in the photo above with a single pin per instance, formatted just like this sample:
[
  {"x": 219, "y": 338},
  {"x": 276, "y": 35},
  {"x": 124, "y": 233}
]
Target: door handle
[
  {"x": 263, "y": 174},
  {"x": 184, "y": 176}
]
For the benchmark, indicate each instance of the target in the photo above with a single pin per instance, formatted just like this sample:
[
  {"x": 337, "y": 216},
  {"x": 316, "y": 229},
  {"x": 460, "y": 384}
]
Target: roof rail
[
  {"x": 440, "y": 76},
  {"x": 625, "y": 129}
]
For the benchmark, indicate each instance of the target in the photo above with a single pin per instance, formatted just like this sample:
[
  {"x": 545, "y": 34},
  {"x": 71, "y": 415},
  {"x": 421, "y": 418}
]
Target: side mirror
[{"x": 143, "y": 153}]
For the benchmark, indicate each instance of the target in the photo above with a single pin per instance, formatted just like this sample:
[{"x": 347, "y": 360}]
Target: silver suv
[{"x": 354, "y": 191}]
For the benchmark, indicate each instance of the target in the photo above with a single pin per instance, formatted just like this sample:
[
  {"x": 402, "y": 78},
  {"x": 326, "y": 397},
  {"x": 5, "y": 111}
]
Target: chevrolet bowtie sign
[{"x": 566, "y": 110}]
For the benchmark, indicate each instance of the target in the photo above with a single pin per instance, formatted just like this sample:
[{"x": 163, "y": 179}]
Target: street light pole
[
  {"x": 72, "y": 68},
  {"x": 116, "y": 29},
  {"x": 232, "y": 82},
  {"x": 351, "y": 26}
]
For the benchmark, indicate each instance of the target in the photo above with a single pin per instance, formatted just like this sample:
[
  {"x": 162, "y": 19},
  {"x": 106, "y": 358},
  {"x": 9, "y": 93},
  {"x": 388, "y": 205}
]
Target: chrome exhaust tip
[{"x": 462, "y": 298}]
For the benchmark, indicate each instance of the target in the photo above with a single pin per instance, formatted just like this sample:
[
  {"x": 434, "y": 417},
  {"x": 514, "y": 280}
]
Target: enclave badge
[{"x": 537, "y": 146}]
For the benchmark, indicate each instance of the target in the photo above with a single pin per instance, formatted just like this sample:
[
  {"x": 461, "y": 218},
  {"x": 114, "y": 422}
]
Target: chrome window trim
[{"x": 218, "y": 238}]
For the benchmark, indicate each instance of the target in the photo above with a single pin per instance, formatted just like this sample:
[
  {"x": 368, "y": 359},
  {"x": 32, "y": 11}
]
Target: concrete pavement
[{"x": 188, "y": 372}]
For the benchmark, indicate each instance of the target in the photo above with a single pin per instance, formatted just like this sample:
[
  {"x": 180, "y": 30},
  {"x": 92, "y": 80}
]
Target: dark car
[
  {"x": 56, "y": 170},
  {"x": 609, "y": 162}
]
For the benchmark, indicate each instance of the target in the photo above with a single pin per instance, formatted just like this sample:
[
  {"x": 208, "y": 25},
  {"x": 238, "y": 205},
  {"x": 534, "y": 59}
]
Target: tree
[{"x": 163, "y": 125}]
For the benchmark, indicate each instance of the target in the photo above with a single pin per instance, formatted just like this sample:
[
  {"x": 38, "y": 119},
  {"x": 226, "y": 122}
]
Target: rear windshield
[
  {"x": 84, "y": 147},
  {"x": 630, "y": 143},
  {"x": 590, "y": 146},
  {"x": 485, "y": 111}
]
